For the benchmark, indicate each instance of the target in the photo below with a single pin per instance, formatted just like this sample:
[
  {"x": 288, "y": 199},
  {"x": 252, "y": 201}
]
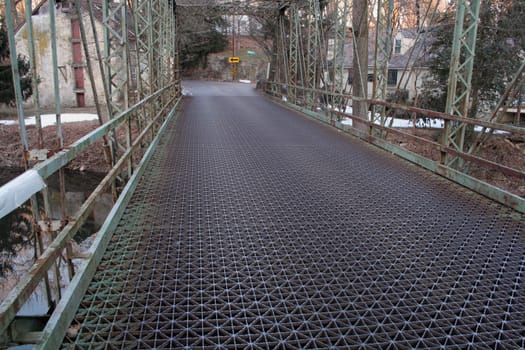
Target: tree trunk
[
  {"x": 360, "y": 60},
  {"x": 418, "y": 14}
]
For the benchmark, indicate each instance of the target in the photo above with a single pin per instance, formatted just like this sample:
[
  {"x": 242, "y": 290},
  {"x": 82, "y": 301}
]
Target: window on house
[
  {"x": 350, "y": 77},
  {"x": 392, "y": 77},
  {"x": 397, "y": 46},
  {"x": 371, "y": 77}
]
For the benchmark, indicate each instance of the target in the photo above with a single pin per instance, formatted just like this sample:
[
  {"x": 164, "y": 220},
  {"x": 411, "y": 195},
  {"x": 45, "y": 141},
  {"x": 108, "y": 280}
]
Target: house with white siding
[{"x": 406, "y": 66}]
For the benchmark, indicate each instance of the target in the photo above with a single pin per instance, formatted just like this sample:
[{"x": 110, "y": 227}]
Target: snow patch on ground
[
  {"x": 428, "y": 123},
  {"x": 50, "y": 119}
]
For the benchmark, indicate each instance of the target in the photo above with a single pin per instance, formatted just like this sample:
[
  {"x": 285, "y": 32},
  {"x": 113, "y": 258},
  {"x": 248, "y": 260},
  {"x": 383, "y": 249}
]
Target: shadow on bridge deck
[{"x": 255, "y": 227}]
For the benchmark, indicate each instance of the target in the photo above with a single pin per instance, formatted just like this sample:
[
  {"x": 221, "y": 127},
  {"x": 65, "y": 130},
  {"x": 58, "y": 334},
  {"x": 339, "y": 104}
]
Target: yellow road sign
[{"x": 234, "y": 59}]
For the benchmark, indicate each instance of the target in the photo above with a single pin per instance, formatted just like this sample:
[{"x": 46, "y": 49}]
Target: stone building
[{"x": 74, "y": 82}]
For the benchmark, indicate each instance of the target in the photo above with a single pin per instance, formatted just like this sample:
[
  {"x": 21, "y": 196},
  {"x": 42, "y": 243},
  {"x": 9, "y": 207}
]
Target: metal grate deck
[{"x": 255, "y": 228}]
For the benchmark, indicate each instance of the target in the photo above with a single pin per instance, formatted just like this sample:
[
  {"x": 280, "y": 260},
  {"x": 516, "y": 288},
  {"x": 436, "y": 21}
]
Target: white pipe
[{"x": 17, "y": 191}]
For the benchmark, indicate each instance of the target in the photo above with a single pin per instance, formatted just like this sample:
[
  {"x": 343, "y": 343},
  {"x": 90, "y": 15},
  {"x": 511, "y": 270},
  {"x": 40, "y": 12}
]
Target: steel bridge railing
[
  {"x": 432, "y": 151},
  {"x": 138, "y": 81},
  {"x": 44, "y": 264}
]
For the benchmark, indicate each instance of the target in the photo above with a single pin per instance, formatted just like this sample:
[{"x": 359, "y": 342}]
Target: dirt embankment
[
  {"x": 11, "y": 149},
  {"x": 507, "y": 150}
]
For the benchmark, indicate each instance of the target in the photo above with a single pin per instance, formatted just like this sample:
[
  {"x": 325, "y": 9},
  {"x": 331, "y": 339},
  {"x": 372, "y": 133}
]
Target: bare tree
[{"x": 360, "y": 59}]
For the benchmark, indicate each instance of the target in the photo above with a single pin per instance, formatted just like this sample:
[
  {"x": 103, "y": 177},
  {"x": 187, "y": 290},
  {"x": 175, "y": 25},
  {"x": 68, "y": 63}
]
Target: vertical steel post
[
  {"x": 154, "y": 48},
  {"x": 56, "y": 82},
  {"x": 166, "y": 45},
  {"x": 115, "y": 58},
  {"x": 149, "y": 47},
  {"x": 60, "y": 144},
  {"x": 294, "y": 53},
  {"x": 176, "y": 47},
  {"x": 34, "y": 74},
  {"x": 125, "y": 83},
  {"x": 116, "y": 62},
  {"x": 312, "y": 57},
  {"x": 283, "y": 67},
  {"x": 172, "y": 41},
  {"x": 155, "y": 44},
  {"x": 461, "y": 66},
  {"x": 275, "y": 68},
  {"x": 109, "y": 145},
  {"x": 141, "y": 15},
  {"x": 100, "y": 60},
  {"x": 108, "y": 76}
]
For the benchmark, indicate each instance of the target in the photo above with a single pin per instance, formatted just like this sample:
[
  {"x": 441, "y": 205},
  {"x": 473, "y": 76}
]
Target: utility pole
[{"x": 234, "y": 65}]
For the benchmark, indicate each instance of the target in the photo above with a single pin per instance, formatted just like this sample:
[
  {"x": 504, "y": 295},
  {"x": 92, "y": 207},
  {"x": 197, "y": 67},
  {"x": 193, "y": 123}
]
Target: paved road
[{"x": 255, "y": 227}]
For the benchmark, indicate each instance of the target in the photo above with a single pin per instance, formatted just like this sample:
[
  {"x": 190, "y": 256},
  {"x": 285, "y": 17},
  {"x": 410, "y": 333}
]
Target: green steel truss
[
  {"x": 142, "y": 14},
  {"x": 314, "y": 46},
  {"x": 281, "y": 54},
  {"x": 116, "y": 58},
  {"x": 461, "y": 66},
  {"x": 295, "y": 56}
]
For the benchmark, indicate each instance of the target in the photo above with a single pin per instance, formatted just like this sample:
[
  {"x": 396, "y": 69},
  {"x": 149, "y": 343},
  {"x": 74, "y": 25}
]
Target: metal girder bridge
[{"x": 130, "y": 55}]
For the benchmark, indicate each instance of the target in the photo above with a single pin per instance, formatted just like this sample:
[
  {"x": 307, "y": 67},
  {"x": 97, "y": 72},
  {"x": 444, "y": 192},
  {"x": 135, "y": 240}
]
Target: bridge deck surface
[{"x": 255, "y": 227}]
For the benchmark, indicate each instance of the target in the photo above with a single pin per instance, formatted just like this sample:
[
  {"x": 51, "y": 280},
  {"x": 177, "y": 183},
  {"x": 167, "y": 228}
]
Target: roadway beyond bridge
[{"x": 258, "y": 228}]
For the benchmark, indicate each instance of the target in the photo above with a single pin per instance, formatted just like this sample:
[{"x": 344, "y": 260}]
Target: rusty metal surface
[{"x": 256, "y": 228}]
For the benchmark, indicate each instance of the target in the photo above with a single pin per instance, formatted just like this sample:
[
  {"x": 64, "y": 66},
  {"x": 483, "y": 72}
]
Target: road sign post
[
  {"x": 234, "y": 60},
  {"x": 234, "y": 70}
]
